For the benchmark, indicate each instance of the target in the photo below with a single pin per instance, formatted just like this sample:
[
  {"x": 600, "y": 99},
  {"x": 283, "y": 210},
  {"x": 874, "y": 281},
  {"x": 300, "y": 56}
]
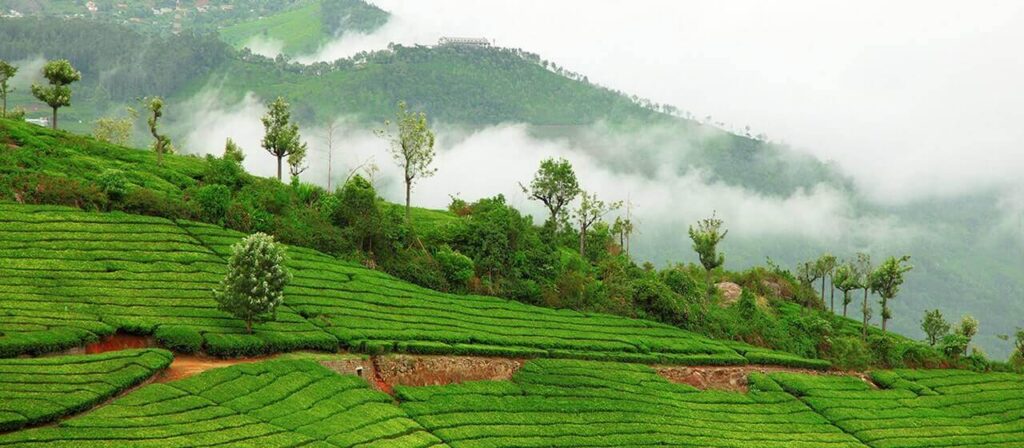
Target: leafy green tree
[
  {"x": 706, "y": 237},
  {"x": 254, "y": 284},
  {"x": 845, "y": 279},
  {"x": 554, "y": 185},
  {"x": 807, "y": 274},
  {"x": 161, "y": 142},
  {"x": 934, "y": 326},
  {"x": 281, "y": 138},
  {"x": 968, "y": 327},
  {"x": 7, "y": 71},
  {"x": 233, "y": 152},
  {"x": 297, "y": 162},
  {"x": 826, "y": 266},
  {"x": 358, "y": 213},
  {"x": 590, "y": 211},
  {"x": 60, "y": 74},
  {"x": 115, "y": 130},
  {"x": 862, "y": 271},
  {"x": 886, "y": 281},
  {"x": 412, "y": 148},
  {"x": 1017, "y": 357}
]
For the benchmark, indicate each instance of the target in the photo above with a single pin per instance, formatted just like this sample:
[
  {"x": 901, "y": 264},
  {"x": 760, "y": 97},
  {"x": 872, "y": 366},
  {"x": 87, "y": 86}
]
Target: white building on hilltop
[{"x": 463, "y": 42}]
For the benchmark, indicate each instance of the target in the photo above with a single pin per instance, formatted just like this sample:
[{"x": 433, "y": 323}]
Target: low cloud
[{"x": 667, "y": 196}]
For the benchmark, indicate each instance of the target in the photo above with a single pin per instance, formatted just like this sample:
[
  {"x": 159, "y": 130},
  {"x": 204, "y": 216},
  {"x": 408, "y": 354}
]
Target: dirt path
[{"x": 185, "y": 366}]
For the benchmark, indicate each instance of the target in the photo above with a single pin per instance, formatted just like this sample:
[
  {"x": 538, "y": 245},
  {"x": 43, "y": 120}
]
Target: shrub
[
  {"x": 212, "y": 202},
  {"x": 143, "y": 201},
  {"x": 56, "y": 190},
  {"x": 681, "y": 282},
  {"x": 114, "y": 183},
  {"x": 849, "y": 352},
  {"x": 225, "y": 171},
  {"x": 457, "y": 268},
  {"x": 179, "y": 339},
  {"x": 657, "y": 300},
  {"x": 885, "y": 351}
]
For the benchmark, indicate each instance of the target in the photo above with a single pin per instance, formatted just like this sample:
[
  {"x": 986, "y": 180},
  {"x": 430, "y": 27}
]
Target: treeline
[{"x": 117, "y": 63}]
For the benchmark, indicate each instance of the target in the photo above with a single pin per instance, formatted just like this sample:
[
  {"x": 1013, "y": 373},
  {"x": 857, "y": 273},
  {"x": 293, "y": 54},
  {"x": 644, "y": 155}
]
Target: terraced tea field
[
  {"x": 38, "y": 390},
  {"x": 920, "y": 408},
  {"x": 268, "y": 404},
  {"x": 564, "y": 403},
  {"x": 548, "y": 403},
  {"x": 69, "y": 277}
]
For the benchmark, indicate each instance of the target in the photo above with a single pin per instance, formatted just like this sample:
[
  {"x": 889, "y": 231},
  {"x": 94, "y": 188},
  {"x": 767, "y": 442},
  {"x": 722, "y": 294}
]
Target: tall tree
[
  {"x": 332, "y": 128},
  {"x": 60, "y": 74},
  {"x": 297, "y": 161},
  {"x": 807, "y": 274},
  {"x": 590, "y": 211},
  {"x": 863, "y": 269},
  {"x": 705, "y": 237},
  {"x": 7, "y": 71},
  {"x": 412, "y": 148},
  {"x": 281, "y": 138},
  {"x": 886, "y": 281},
  {"x": 935, "y": 326},
  {"x": 826, "y": 268},
  {"x": 254, "y": 284},
  {"x": 845, "y": 279},
  {"x": 555, "y": 185},
  {"x": 161, "y": 143}
]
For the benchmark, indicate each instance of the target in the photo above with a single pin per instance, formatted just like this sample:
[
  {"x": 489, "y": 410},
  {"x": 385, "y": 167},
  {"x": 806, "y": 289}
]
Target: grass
[{"x": 40, "y": 390}]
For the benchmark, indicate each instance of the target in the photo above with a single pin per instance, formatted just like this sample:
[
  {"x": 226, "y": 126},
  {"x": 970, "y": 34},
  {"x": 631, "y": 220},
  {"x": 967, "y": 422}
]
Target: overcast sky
[{"x": 912, "y": 98}]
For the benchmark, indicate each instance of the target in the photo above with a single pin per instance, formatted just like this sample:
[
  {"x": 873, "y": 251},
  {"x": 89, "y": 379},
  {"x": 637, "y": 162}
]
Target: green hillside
[
  {"x": 304, "y": 28},
  {"x": 70, "y": 274},
  {"x": 550, "y": 403}
]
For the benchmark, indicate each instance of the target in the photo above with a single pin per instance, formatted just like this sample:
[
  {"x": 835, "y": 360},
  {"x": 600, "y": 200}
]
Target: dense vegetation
[{"x": 39, "y": 390}]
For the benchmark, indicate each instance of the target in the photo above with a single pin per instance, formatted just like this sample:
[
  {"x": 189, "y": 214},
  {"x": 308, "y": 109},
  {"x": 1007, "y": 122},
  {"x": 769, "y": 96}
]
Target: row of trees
[{"x": 856, "y": 274}]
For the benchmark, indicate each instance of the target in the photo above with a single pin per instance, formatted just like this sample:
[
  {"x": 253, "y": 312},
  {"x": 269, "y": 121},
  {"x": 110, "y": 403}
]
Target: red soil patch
[
  {"x": 118, "y": 342},
  {"x": 422, "y": 370},
  {"x": 734, "y": 378}
]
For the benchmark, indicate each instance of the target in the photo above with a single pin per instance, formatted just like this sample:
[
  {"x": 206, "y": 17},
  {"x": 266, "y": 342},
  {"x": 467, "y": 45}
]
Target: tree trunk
[
  {"x": 864, "y": 329},
  {"x": 408, "y": 194},
  {"x": 832, "y": 294},
  {"x": 54, "y": 119},
  {"x": 279, "y": 159},
  {"x": 885, "y": 307},
  {"x": 846, "y": 301},
  {"x": 583, "y": 241},
  {"x": 823, "y": 290},
  {"x": 248, "y": 325},
  {"x": 330, "y": 163},
  {"x": 5, "y": 107}
]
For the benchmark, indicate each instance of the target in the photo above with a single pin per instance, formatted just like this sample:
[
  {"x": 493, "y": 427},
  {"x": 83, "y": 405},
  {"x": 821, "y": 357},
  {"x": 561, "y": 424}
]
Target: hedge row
[
  {"x": 273, "y": 403},
  {"x": 39, "y": 390}
]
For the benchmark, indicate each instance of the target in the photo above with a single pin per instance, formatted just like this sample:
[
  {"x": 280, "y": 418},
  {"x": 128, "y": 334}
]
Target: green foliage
[
  {"x": 934, "y": 326},
  {"x": 281, "y": 138},
  {"x": 457, "y": 268},
  {"x": 233, "y": 152},
  {"x": 254, "y": 285},
  {"x": 41, "y": 390},
  {"x": 589, "y": 213},
  {"x": 7, "y": 72},
  {"x": 114, "y": 183},
  {"x": 161, "y": 142},
  {"x": 411, "y": 146},
  {"x": 212, "y": 202},
  {"x": 706, "y": 237},
  {"x": 850, "y": 352},
  {"x": 554, "y": 185},
  {"x": 60, "y": 75},
  {"x": 886, "y": 281}
]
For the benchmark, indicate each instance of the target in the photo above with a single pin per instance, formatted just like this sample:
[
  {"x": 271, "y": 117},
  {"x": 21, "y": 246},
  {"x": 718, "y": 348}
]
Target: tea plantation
[
  {"x": 548, "y": 403},
  {"x": 70, "y": 277},
  {"x": 39, "y": 390}
]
